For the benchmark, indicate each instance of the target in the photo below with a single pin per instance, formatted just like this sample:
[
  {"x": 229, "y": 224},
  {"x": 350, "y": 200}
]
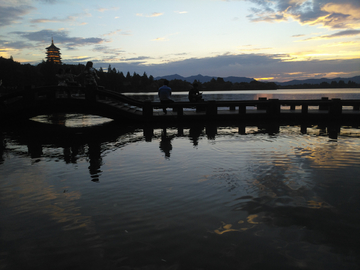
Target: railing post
[
  {"x": 180, "y": 111},
  {"x": 274, "y": 108},
  {"x": 242, "y": 109},
  {"x": 304, "y": 109},
  {"x": 336, "y": 107},
  {"x": 262, "y": 106},
  {"x": 292, "y": 107},
  {"x": 147, "y": 109},
  {"x": 211, "y": 108},
  {"x": 232, "y": 108},
  {"x": 324, "y": 107}
]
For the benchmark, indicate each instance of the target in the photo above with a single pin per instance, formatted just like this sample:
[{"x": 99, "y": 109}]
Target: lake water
[
  {"x": 284, "y": 94},
  {"x": 195, "y": 196}
]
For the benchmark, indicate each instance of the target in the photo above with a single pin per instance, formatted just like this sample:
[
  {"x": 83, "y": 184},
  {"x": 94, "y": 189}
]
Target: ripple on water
[{"x": 255, "y": 197}]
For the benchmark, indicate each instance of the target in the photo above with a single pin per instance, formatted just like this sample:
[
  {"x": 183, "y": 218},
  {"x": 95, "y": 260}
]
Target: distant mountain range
[
  {"x": 355, "y": 79},
  {"x": 233, "y": 79},
  {"x": 203, "y": 79}
]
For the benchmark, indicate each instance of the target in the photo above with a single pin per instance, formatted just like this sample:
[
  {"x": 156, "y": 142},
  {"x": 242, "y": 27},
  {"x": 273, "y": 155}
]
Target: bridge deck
[{"x": 45, "y": 100}]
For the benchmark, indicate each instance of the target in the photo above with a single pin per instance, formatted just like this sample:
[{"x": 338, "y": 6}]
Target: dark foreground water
[{"x": 190, "y": 197}]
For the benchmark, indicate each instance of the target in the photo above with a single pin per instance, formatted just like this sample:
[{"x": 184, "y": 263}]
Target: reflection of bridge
[
  {"x": 94, "y": 142},
  {"x": 47, "y": 100}
]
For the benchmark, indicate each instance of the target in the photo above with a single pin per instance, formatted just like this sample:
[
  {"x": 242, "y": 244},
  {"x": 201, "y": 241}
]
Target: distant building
[{"x": 53, "y": 54}]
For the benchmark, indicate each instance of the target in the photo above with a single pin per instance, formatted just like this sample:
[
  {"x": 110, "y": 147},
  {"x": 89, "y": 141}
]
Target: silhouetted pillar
[
  {"x": 148, "y": 133},
  {"x": 211, "y": 108},
  {"x": 335, "y": 108},
  {"x": 242, "y": 109},
  {"x": 95, "y": 160},
  {"x": 147, "y": 109},
  {"x": 242, "y": 129},
  {"x": 324, "y": 107},
  {"x": 303, "y": 129},
  {"x": 180, "y": 131},
  {"x": 35, "y": 149},
  {"x": 333, "y": 131},
  {"x": 273, "y": 108},
  {"x": 180, "y": 111},
  {"x": 262, "y": 106},
  {"x": 211, "y": 131},
  {"x": 273, "y": 128},
  {"x": 304, "y": 109}
]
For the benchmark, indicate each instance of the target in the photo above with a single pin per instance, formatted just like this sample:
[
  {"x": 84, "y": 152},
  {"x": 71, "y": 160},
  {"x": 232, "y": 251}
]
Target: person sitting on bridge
[
  {"x": 165, "y": 94},
  {"x": 194, "y": 94},
  {"x": 90, "y": 75}
]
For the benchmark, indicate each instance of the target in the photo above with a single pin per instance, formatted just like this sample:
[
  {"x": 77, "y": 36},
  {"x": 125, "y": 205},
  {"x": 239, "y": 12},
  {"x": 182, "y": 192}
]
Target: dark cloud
[
  {"x": 15, "y": 44},
  {"x": 245, "y": 65},
  {"x": 334, "y": 13},
  {"x": 61, "y": 37},
  {"x": 13, "y": 14},
  {"x": 337, "y": 35},
  {"x": 107, "y": 50}
]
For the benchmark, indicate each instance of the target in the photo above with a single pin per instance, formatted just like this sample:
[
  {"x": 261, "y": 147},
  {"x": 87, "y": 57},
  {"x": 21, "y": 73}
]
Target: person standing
[
  {"x": 164, "y": 94},
  {"x": 90, "y": 75}
]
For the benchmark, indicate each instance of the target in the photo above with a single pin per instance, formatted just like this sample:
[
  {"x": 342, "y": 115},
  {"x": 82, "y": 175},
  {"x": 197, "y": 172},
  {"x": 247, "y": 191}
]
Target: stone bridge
[{"x": 97, "y": 101}]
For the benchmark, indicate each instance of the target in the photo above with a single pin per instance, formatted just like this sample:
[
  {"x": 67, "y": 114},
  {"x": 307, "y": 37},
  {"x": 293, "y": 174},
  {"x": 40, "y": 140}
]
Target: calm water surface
[
  {"x": 178, "y": 197},
  {"x": 285, "y": 94}
]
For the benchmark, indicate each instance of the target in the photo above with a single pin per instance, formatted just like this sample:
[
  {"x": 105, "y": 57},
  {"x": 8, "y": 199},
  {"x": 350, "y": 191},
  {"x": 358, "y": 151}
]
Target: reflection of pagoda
[{"x": 53, "y": 54}]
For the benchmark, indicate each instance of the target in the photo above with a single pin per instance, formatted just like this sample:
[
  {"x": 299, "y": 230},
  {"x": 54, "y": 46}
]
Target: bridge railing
[
  {"x": 271, "y": 107},
  {"x": 211, "y": 108}
]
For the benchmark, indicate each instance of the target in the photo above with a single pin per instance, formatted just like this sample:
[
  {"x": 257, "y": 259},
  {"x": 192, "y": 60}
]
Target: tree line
[{"x": 15, "y": 75}]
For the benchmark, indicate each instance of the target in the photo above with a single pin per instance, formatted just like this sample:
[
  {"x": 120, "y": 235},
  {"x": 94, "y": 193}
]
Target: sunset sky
[{"x": 275, "y": 40}]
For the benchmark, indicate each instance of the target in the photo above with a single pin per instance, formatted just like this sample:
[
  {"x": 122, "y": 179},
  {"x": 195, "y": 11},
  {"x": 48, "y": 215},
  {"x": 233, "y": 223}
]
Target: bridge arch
[{"x": 48, "y": 100}]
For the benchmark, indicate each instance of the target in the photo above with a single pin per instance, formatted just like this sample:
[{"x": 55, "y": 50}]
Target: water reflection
[
  {"x": 95, "y": 160},
  {"x": 195, "y": 131},
  {"x": 77, "y": 144},
  {"x": 238, "y": 196},
  {"x": 165, "y": 143}
]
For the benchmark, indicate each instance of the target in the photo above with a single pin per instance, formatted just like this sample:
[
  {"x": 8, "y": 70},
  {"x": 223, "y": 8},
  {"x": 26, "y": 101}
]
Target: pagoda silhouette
[{"x": 53, "y": 54}]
